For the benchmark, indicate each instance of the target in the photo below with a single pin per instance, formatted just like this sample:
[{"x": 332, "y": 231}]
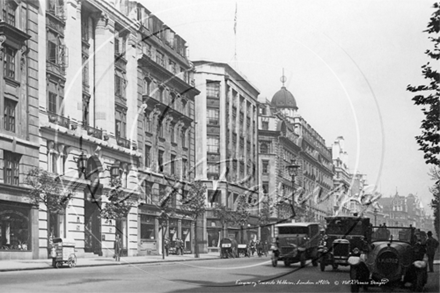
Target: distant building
[{"x": 285, "y": 137}]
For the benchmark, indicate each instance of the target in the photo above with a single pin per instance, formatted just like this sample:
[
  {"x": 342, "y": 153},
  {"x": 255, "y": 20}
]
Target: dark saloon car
[{"x": 393, "y": 259}]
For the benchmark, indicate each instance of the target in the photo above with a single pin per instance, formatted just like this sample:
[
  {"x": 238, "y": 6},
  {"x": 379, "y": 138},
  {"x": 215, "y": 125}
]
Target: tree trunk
[
  {"x": 163, "y": 243},
  {"x": 196, "y": 244}
]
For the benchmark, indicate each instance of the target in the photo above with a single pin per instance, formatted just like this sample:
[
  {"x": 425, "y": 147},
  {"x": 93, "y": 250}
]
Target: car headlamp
[{"x": 356, "y": 250}]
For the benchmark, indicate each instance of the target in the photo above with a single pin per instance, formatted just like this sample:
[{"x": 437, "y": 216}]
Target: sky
[{"x": 347, "y": 63}]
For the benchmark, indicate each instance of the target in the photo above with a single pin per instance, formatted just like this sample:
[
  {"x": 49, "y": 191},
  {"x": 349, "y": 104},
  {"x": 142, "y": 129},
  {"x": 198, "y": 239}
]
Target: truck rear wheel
[
  {"x": 302, "y": 259},
  {"x": 322, "y": 264},
  {"x": 274, "y": 260},
  {"x": 354, "y": 278}
]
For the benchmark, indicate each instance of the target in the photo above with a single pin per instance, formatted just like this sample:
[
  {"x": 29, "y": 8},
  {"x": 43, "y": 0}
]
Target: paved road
[{"x": 229, "y": 275}]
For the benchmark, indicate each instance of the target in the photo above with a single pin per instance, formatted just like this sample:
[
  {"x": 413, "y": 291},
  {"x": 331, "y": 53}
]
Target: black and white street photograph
[{"x": 219, "y": 146}]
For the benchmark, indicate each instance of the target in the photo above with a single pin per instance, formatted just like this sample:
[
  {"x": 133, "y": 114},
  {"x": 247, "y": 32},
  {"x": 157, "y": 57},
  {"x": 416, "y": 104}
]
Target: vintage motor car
[
  {"x": 395, "y": 255},
  {"x": 228, "y": 248},
  {"x": 243, "y": 250},
  {"x": 296, "y": 242},
  {"x": 343, "y": 236}
]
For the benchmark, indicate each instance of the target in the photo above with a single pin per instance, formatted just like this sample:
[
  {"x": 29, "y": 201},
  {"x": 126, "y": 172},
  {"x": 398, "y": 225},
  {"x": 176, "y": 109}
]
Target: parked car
[
  {"x": 343, "y": 236},
  {"x": 296, "y": 242},
  {"x": 228, "y": 248},
  {"x": 395, "y": 255}
]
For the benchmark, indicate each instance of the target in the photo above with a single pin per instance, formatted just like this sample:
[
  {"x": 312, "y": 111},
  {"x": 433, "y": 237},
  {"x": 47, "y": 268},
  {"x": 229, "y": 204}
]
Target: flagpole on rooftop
[{"x": 235, "y": 36}]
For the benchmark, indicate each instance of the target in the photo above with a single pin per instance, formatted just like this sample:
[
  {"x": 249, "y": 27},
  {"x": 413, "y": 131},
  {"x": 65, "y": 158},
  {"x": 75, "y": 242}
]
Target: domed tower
[{"x": 284, "y": 101}]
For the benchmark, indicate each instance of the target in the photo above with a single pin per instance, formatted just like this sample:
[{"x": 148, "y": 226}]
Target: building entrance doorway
[{"x": 92, "y": 207}]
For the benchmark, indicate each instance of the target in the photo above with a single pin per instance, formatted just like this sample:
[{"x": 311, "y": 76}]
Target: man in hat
[{"x": 431, "y": 247}]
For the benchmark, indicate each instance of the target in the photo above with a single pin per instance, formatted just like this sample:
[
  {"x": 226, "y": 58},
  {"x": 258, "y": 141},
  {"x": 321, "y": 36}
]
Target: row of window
[{"x": 173, "y": 162}]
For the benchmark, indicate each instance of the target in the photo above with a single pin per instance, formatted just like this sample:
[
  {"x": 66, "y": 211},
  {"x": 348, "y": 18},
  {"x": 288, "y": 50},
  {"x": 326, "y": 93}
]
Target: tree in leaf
[
  {"x": 119, "y": 202},
  {"x": 225, "y": 215},
  {"x": 429, "y": 94},
  {"x": 435, "y": 202},
  {"x": 195, "y": 204},
  {"x": 242, "y": 214},
  {"x": 47, "y": 188},
  {"x": 265, "y": 212}
]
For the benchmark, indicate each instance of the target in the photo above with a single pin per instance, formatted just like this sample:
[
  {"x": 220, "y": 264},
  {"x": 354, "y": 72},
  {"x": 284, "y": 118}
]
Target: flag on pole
[
  {"x": 335, "y": 190},
  {"x": 235, "y": 19},
  {"x": 317, "y": 192}
]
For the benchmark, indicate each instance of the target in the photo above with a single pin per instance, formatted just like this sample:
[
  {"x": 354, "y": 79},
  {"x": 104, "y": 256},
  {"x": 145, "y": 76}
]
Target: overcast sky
[{"x": 347, "y": 63}]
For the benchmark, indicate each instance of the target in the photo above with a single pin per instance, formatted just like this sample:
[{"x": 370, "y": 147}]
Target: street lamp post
[
  {"x": 293, "y": 171},
  {"x": 375, "y": 215}
]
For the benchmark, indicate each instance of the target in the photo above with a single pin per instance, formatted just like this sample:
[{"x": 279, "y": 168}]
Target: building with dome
[{"x": 286, "y": 137}]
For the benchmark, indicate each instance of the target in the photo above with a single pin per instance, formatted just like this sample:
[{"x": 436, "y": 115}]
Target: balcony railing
[
  {"x": 123, "y": 142},
  {"x": 61, "y": 120},
  {"x": 92, "y": 131}
]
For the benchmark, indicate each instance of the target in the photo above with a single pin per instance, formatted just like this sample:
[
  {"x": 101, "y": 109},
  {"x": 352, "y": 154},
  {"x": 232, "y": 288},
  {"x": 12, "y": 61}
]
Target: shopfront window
[
  {"x": 186, "y": 234},
  {"x": 172, "y": 230},
  {"x": 147, "y": 227},
  {"x": 213, "y": 231},
  {"x": 15, "y": 229}
]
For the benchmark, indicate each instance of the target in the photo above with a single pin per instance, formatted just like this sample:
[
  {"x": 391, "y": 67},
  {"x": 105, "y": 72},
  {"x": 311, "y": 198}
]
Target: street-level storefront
[
  {"x": 18, "y": 230},
  {"x": 151, "y": 227},
  {"x": 186, "y": 236},
  {"x": 214, "y": 231},
  {"x": 148, "y": 236}
]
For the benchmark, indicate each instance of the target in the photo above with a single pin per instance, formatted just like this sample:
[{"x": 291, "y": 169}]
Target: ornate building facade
[
  {"x": 96, "y": 93},
  {"x": 166, "y": 96},
  {"x": 19, "y": 142},
  {"x": 285, "y": 137}
]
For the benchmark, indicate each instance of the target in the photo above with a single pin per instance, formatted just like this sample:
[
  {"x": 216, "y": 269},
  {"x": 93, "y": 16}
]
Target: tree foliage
[
  {"x": 47, "y": 188},
  {"x": 429, "y": 140},
  {"x": 265, "y": 212},
  {"x": 241, "y": 216},
  {"x": 435, "y": 202},
  {"x": 120, "y": 202},
  {"x": 195, "y": 204},
  {"x": 224, "y": 214}
]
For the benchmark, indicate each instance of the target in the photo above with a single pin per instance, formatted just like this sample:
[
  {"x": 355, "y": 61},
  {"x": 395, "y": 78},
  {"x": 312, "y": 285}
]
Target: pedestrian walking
[
  {"x": 431, "y": 247},
  {"x": 118, "y": 247}
]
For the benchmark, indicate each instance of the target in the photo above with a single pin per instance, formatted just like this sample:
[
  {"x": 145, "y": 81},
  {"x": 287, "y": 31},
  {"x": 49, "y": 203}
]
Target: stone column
[
  {"x": 131, "y": 90},
  {"x": 72, "y": 40},
  {"x": 103, "y": 83},
  {"x": 35, "y": 232}
]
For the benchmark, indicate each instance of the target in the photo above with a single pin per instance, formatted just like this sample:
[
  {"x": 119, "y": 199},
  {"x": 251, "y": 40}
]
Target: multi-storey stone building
[
  {"x": 285, "y": 137},
  {"x": 87, "y": 90},
  {"x": 226, "y": 136},
  {"x": 19, "y": 144},
  {"x": 166, "y": 135},
  {"x": 94, "y": 92}
]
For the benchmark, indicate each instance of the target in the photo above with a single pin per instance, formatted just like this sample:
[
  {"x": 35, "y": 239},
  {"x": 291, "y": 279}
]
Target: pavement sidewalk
[{"x": 38, "y": 264}]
